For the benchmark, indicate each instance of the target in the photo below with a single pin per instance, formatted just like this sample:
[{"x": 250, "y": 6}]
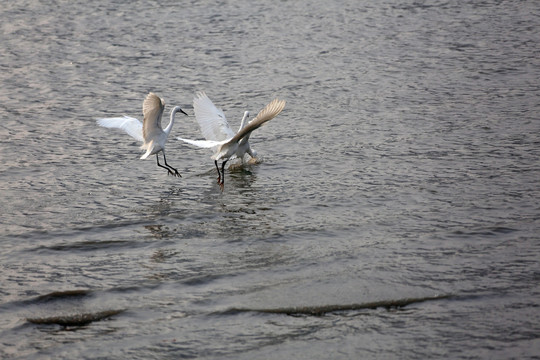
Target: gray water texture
[{"x": 394, "y": 215}]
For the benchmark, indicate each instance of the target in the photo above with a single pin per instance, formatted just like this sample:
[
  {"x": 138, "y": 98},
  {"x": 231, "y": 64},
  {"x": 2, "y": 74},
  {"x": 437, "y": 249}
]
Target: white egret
[
  {"x": 219, "y": 135},
  {"x": 214, "y": 125},
  {"x": 149, "y": 131}
]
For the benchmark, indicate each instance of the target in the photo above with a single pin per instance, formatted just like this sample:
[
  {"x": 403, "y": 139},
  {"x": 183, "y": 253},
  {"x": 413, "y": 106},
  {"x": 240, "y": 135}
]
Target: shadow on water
[{"x": 59, "y": 295}]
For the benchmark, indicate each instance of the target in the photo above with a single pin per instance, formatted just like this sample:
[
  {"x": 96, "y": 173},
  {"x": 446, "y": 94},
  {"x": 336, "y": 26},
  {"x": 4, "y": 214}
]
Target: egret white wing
[
  {"x": 212, "y": 121},
  {"x": 269, "y": 112},
  {"x": 131, "y": 126},
  {"x": 153, "y": 107},
  {"x": 202, "y": 143}
]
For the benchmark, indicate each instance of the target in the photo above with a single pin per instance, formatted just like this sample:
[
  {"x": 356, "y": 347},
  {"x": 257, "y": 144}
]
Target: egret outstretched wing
[
  {"x": 212, "y": 121},
  {"x": 131, "y": 126},
  {"x": 202, "y": 143},
  {"x": 269, "y": 112}
]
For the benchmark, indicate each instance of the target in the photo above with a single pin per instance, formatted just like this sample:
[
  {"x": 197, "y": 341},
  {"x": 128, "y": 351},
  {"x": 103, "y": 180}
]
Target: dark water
[{"x": 395, "y": 214}]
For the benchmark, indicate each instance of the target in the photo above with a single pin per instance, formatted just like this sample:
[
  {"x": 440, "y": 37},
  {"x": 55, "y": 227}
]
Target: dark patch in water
[
  {"x": 58, "y": 295},
  {"x": 486, "y": 232},
  {"x": 85, "y": 246},
  {"x": 324, "y": 309},
  {"x": 76, "y": 319}
]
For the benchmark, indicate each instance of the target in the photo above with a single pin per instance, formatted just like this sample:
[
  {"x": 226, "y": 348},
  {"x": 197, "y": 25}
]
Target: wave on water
[
  {"x": 321, "y": 310},
  {"x": 75, "y": 319}
]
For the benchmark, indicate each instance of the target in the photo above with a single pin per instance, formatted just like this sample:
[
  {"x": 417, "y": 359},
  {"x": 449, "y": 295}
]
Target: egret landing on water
[
  {"x": 149, "y": 131},
  {"x": 214, "y": 125}
]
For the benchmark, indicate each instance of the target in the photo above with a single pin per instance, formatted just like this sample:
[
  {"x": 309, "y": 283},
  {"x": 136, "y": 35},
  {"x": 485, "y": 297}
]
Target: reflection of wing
[
  {"x": 269, "y": 112},
  {"x": 153, "y": 107},
  {"x": 130, "y": 125},
  {"x": 212, "y": 121}
]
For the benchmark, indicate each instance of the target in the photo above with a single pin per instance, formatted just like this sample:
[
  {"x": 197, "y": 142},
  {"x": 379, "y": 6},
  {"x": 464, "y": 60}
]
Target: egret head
[{"x": 178, "y": 109}]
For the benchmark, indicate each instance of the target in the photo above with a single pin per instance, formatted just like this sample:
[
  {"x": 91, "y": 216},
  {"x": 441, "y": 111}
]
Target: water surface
[{"x": 394, "y": 214}]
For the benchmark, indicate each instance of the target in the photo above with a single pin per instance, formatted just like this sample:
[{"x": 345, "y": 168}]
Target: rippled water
[{"x": 395, "y": 213}]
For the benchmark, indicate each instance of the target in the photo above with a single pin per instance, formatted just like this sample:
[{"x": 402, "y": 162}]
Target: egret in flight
[
  {"x": 149, "y": 131},
  {"x": 220, "y": 136}
]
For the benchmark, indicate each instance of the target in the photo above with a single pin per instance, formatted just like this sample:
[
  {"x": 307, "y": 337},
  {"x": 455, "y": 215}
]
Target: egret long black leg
[
  {"x": 165, "y": 167},
  {"x": 218, "y": 172},
  {"x": 222, "y": 184},
  {"x": 176, "y": 173}
]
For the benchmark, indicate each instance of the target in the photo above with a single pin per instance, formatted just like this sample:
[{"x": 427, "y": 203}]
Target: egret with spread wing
[
  {"x": 219, "y": 135},
  {"x": 214, "y": 125},
  {"x": 149, "y": 131}
]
